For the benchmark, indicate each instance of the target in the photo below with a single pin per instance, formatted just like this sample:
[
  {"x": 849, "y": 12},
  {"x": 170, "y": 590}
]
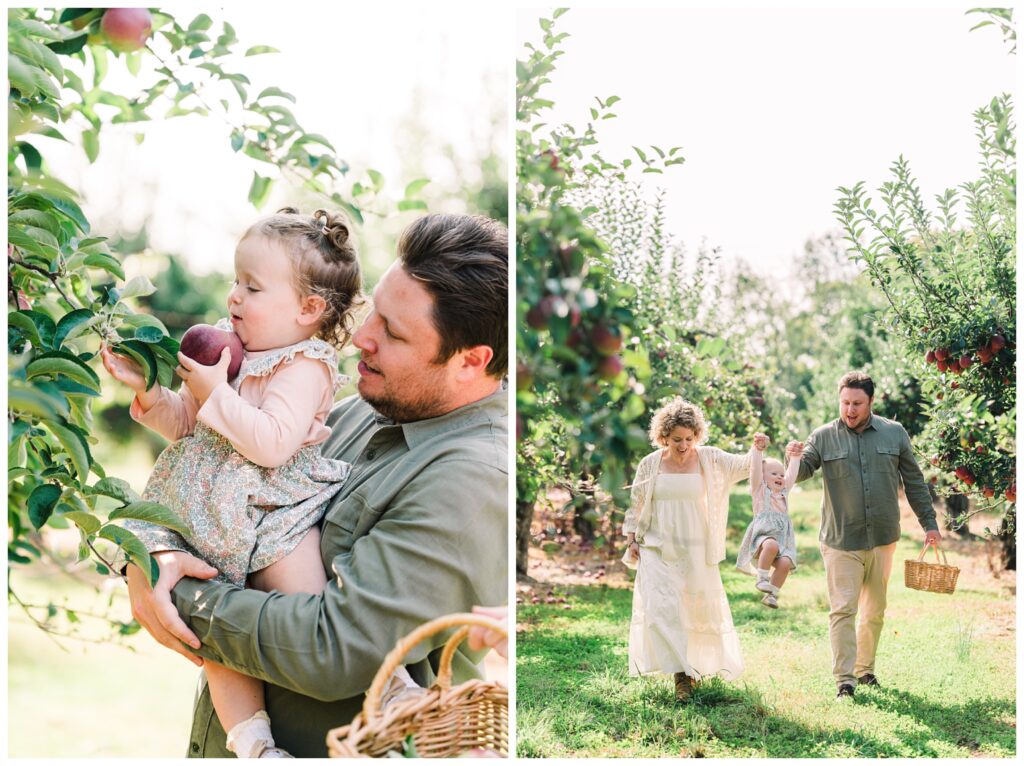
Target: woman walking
[{"x": 675, "y": 531}]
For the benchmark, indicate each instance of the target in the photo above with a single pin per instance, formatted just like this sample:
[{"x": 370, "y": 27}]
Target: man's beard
[{"x": 429, "y": 402}]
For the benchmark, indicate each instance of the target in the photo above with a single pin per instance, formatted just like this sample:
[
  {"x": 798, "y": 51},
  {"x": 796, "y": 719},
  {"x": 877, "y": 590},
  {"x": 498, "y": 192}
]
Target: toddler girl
[
  {"x": 769, "y": 540},
  {"x": 244, "y": 470}
]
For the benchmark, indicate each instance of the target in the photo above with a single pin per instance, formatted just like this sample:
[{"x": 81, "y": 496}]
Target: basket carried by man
[
  {"x": 442, "y": 722},
  {"x": 923, "y": 575}
]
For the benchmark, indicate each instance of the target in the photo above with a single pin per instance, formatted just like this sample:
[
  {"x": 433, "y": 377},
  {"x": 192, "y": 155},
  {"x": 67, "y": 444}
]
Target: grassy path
[{"x": 947, "y": 664}]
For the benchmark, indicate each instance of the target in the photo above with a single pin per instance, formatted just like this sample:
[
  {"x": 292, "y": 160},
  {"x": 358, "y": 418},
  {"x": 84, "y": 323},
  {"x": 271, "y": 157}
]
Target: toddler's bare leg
[
  {"x": 782, "y": 567},
  {"x": 236, "y": 697},
  {"x": 301, "y": 571},
  {"x": 769, "y": 550}
]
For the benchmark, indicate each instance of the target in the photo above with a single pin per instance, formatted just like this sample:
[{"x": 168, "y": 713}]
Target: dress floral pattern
[{"x": 242, "y": 517}]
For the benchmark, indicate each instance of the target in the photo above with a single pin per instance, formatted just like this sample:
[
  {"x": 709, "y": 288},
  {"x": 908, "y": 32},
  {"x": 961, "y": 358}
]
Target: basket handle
[
  {"x": 938, "y": 550},
  {"x": 371, "y": 705}
]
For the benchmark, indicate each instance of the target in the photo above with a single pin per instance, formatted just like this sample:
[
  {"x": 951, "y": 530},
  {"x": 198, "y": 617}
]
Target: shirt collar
[{"x": 871, "y": 424}]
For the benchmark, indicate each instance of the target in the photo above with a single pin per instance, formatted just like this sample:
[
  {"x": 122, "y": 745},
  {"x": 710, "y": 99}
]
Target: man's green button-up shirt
[
  {"x": 862, "y": 473},
  {"x": 419, "y": 530}
]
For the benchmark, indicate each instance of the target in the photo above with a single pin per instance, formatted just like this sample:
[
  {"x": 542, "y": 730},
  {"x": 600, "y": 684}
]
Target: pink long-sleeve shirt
[{"x": 267, "y": 420}]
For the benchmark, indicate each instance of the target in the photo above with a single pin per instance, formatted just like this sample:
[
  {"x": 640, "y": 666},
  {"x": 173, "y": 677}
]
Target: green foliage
[
  {"x": 67, "y": 291},
  {"x": 580, "y": 376},
  {"x": 951, "y": 295}
]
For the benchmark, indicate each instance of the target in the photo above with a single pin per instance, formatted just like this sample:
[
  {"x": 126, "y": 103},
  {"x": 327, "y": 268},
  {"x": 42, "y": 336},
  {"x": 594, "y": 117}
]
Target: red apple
[
  {"x": 942, "y": 354},
  {"x": 966, "y": 361},
  {"x": 997, "y": 342},
  {"x": 127, "y": 29},
  {"x": 930, "y": 357},
  {"x": 988, "y": 492},
  {"x": 605, "y": 340},
  {"x": 204, "y": 343},
  {"x": 1011, "y": 493},
  {"x": 610, "y": 368},
  {"x": 942, "y": 365}
]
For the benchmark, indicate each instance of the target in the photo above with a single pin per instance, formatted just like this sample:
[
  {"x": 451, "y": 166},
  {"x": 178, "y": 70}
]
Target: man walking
[{"x": 863, "y": 457}]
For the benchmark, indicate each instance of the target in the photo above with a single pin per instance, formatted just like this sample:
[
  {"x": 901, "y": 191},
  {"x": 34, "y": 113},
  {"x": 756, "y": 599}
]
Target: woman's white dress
[{"x": 681, "y": 619}]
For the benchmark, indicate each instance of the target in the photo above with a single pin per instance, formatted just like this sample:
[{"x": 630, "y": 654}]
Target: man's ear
[
  {"x": 473, "y": 362},
  {"x": 312, "y": 309}
]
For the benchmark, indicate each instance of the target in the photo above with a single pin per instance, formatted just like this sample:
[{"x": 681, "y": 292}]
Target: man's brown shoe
[
  {"x": 868, "y": 679},
  {"x": 684, "y": 687}
]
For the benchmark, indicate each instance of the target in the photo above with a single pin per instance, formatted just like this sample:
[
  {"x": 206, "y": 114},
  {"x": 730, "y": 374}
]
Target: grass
[
  {"x": 948, "y": 681},
  {"x": 91, "y": 699}
]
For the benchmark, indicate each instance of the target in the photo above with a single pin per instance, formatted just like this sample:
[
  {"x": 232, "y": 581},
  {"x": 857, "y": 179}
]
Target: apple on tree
[{"x": 127, "y": 29}]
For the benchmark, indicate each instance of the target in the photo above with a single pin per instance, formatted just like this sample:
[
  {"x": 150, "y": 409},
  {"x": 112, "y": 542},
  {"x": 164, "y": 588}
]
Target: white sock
[
  {"x": 763, "y": 574},
  {"x": 250, "y": 737}
]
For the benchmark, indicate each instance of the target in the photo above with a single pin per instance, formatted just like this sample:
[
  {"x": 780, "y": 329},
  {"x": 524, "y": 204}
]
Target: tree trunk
[
  {"x": 1008, "y": 539},
  {"x": 524, "y": 518}
]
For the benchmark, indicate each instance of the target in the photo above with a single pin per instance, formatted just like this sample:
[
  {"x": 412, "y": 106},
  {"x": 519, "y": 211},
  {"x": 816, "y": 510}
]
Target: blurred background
[{"x": 402, "y": 100}]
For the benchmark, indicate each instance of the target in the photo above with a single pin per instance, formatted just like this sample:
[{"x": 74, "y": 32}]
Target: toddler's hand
[
  {"x": 761, "y": 442},
  {"x": 795, "y": 449},
  {"x": 123, "y": 370},
  {"x": 201, "y": 379}
]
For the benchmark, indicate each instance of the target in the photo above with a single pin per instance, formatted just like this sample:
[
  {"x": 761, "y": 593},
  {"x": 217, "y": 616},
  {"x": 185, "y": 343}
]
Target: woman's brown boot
[{"x": 684, "y": 687}]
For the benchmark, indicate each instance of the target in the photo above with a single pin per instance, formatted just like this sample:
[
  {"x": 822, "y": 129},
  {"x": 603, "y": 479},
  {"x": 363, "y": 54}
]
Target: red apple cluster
[{"x": 946, "y": 361}]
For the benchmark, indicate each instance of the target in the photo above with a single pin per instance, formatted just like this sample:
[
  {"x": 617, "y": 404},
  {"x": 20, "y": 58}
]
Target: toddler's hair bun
[{"x": 335, "y": 229}]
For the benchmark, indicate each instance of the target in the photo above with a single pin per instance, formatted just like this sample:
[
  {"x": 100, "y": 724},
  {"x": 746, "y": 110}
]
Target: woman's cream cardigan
[{"x": 720, "y": 470}]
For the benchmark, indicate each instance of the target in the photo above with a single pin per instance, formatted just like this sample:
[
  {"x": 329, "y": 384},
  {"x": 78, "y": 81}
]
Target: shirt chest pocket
[
  {"x": 888, "y": 459},
  {"x": 349, "y": 521},
  {"x": 834, "y": 463}
]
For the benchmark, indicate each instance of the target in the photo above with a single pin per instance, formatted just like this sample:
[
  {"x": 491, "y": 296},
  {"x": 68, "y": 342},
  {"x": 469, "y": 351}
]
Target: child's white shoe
[
  {"x": 252, "y": 738},
  {"x": 770, "y": 601},
  {"x": 763, "y": 583},
  {"x": 274, "y": 752}
]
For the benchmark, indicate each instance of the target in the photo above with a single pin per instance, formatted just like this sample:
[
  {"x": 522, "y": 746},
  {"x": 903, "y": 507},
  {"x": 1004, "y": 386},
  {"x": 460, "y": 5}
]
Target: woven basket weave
[
  {"x": 923, "y": 575},
  {"x": 444, "y": 721}
]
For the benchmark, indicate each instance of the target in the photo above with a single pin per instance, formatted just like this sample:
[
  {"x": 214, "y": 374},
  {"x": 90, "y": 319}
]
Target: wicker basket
[
  {"x": 444, "y": 721},
  {"x": 936, "y": 578}
]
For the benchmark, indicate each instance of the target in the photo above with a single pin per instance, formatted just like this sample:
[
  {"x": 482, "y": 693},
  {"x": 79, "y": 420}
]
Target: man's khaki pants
[{"x": 857, "y": 580}]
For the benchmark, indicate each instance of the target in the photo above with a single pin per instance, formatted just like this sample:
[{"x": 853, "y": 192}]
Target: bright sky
[
  {"x": 358, "y": 73},
  {"x": 776, "y": 108}
]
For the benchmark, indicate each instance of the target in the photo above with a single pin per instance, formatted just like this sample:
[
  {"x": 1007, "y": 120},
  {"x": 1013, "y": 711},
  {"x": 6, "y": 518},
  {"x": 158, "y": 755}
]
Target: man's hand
[
  {"x": 932, "y": 537},
  {"x": 201, "y": 379},
  {"x": 761, "y": 442},
  {"x": 152, "y": 606},
  {"x": 795, "y": 449}
]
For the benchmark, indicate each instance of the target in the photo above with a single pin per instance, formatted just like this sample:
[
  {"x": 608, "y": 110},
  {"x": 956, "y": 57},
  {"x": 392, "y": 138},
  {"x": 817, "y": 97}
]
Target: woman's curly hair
[{"x": 675, "y": 414}]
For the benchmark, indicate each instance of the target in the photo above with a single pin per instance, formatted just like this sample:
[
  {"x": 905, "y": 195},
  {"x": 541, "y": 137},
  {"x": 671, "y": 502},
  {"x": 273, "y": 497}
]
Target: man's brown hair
[
  {"x": 462, "y": 261},
  {"x": 857, "y": 379}
]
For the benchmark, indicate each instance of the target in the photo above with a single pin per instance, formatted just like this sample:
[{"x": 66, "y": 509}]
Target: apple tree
[
  {"x": 579, "y": 372},
  {"x": 949, "y": 278},
  {"x": 67, "y": 291}
]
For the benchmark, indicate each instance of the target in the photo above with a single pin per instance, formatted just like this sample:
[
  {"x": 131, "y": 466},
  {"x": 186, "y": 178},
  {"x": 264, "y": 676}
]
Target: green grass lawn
[
  {"x": 947, "y": 665},
  {"x": 91, "y": 699}
]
